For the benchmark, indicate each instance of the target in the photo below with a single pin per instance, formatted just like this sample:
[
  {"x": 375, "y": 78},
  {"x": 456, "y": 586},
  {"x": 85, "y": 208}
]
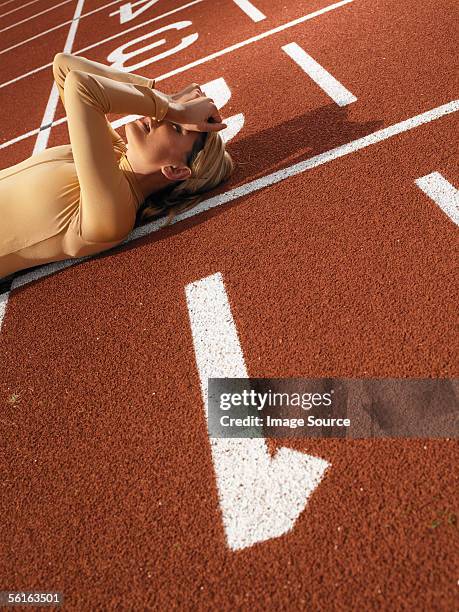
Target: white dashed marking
[
  {"x": 442, "y": 193},
  {"x": 333, "y": 88},
  {"x": 250, "y": 10}
]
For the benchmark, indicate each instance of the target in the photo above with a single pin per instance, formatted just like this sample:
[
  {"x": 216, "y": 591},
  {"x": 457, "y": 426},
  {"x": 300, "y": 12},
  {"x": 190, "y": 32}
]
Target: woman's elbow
[
  {"x": 61, "y": 66},
  {"x": 59, "y": 60}
]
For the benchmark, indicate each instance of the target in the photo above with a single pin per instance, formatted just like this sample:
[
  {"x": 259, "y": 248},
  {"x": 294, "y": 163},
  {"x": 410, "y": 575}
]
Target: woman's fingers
[
  {"x": 212, "y": 127},
  {"x": 194, "y": 87},
  {"x": 204, "y": 126},
  {"x": 191, "y": 94},
  {"x": 202, "y": 115},
  {"x": 216, "y": 116},
  {"x": 215, "y": 113}
]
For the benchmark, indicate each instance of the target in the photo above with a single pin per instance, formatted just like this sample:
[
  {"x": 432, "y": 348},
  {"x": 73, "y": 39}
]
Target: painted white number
[
  {"x": 118, "y": 56},
  {"x": 126, "y": 13}
]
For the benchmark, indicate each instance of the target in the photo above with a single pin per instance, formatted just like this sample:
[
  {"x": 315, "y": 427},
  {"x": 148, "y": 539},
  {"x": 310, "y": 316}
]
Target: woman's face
[{"x": 154, "y": 145}]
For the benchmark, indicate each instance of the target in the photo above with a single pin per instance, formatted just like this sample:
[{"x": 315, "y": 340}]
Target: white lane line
[
  {"x": 203, "y": 60},
  {"x": 3, "y": 302},
  {"x": 255, "y": 185},
  {"x": 10, "y": 1},
  {"x": 17, "y": 8},
  {"x": 18, "y": 23},
  {"x": 337, "y": 92},
  {"x": 260, "y": 496},
  {"x": 445, "y": 195},
  {"x": 100, "y": 8},
  {"x": 250, "y": 10},
  {"x": 48, "y": 117},
  {"x": 57, "y": 27},
  {"x": 31, "y": 133}
]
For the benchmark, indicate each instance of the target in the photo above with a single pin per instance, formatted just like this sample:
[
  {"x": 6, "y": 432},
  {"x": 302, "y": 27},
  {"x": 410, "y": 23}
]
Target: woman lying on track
[{"x": 75, "y": 200}]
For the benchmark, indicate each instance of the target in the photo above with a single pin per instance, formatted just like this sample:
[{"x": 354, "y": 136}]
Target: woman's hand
[
  {"x": 198, "y": 115},
  {"x": 189, "y": 93}
]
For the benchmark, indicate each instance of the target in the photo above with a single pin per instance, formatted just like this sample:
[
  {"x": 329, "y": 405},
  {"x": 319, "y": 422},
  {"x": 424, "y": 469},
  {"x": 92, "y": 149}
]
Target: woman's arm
[
  {"x": 105, "y": 210},
  {"x": 64, "y": 62}
]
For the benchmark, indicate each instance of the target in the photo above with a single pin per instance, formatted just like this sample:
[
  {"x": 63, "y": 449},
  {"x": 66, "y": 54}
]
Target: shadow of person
[
  {"x": 273, "y": 148},
  {"x": 375, "y": 407},
  {"x": 410, "y": 407}
]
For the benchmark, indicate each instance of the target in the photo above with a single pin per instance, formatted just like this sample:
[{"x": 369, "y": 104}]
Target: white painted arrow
[{"x": 260, "y": 496}]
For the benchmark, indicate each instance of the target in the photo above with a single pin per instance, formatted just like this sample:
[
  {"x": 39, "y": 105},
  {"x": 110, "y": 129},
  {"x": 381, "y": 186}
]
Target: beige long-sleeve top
[{"x": 81, "y": 198}]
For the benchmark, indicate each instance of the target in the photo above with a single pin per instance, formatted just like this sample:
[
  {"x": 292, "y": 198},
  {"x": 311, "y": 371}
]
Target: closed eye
[{"x": 179, "y": 127}]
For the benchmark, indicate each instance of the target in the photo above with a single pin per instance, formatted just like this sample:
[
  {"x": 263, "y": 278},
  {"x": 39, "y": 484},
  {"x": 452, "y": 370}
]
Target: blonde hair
[{"x": 210, "y": 165}]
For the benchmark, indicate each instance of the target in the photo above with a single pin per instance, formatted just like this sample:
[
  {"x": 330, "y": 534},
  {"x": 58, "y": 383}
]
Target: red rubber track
[{"x": 346, "y": 270}]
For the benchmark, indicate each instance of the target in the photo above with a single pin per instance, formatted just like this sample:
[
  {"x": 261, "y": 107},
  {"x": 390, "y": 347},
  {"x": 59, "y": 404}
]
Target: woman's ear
[{"x": 176, "y": 173}]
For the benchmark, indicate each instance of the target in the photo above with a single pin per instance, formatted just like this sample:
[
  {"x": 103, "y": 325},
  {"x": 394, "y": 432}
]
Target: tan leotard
[{"x": 79, "y": 199}]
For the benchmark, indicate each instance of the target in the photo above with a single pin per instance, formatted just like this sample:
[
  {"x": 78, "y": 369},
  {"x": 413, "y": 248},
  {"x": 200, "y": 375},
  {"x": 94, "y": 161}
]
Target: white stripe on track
[
  {"x": 333, "y": 88},
  {"x": 48, "y": 118},
  {"x": 445, "y": 195},
  {"x": 260, "y": 496},
  {"x": 10, "y": 1},
  {"x": 270, "y": 179},
  {"x": 3, "y": 303},
  {"x": 250, "y": 10},
  {"x": 18, "y": 8},
  {"x": 18, "y": 23}
]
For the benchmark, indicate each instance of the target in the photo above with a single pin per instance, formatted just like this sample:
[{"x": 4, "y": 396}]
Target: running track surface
[{"x": 109, "y": 489}]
